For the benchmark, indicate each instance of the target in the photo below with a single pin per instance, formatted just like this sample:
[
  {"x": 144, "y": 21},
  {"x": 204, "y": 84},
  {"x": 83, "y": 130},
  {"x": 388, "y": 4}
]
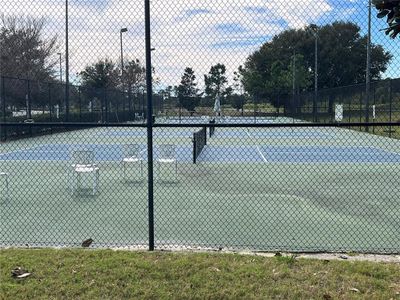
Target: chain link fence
[{"x": 259, "y": 125}]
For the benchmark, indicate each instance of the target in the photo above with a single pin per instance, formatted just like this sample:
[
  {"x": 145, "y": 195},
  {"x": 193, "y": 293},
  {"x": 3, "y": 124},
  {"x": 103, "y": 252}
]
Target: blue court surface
[
  {"x": 298, "y": 154},
  {"x": 275, "y": 133},
  {"x": 143, "y": 133},
  {"x": 214, "y": 153},
  {"x": 103, "y": 152}
]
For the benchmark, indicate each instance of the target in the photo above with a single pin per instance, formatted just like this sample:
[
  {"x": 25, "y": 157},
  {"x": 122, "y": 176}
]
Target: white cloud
[{"x": 181, "y": 38}]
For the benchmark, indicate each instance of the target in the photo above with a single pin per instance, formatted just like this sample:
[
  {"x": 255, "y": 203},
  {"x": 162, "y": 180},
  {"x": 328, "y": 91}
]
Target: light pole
[
  {"x": 292, "y": 107},
  {"x": 314, "y": 28},
  {"x": 66, "y": 63},
  {"x": 368, "y": 70},
  {"x": 122, "y": 66},
  {"x": 59, "y": 54},
  {"x": 294, "y": 81},
  {"x": 122, "y": 52}
]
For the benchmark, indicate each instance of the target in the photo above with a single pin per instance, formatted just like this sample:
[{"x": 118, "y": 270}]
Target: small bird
[
  {"x": 87, "y": 243},
  {"x": 18, "y": 272}
]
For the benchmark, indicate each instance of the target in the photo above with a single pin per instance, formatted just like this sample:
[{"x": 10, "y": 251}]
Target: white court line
[{"x": 258, "y": 148}]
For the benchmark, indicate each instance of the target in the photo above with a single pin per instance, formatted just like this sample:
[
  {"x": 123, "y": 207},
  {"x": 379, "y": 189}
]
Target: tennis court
[{"x": 252, "y": 188}]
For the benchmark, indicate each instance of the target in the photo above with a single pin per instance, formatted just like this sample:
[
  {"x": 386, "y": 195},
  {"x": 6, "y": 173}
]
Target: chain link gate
[{"x": 213, "y": 125}]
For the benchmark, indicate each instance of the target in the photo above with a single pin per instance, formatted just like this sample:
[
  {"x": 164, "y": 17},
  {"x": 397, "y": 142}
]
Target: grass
[{"x": 107, "y": 274}]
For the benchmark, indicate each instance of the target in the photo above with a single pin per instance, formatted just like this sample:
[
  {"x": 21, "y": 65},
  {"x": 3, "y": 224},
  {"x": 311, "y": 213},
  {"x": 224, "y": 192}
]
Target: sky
[{"x": 187, "y": 33}]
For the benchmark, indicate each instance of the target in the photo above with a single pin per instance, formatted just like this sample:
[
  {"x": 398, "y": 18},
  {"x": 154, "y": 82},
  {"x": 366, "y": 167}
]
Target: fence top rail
[{"x": 238, "y": 125}]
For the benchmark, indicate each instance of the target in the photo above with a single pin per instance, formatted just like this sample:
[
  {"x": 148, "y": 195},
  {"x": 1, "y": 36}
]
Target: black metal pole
[
  {"x": 3, "y": 130},
  {"x": 3, "y": 99},
  {"x": 66, "y": 64},
  {"x": 50, "y": 108},
  {"x": 60, "y": 66},
  {"x": 293, "y": 83},
  {"x": 254, "y": 109},
  {"x": 374, "y": 116},
  {"x": 149, "y": 125},
  {"x": 390, "y": 107},
  {"x": 368, "y": 70},
  {"x": 316, "y": 78},
  {"x": 194, "y": 147},
  {"x": 144, "y": 111},
  {"x": 122, "y": 30},
  {"x": 360, "y": 109},
  {"x": 28, "y": 101},
  {"x": 122, "y": 56},
  {"x": 80, "y": 104}
]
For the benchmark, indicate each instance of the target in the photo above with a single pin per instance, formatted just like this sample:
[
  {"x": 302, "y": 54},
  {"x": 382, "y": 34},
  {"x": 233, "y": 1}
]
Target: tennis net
[{"x": 199, "y": 141}]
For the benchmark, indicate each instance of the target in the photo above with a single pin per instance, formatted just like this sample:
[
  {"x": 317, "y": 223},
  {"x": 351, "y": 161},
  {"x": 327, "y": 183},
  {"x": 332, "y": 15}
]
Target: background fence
[
  {"x": 45, "y": 102},
  {"x": 183, "y": 125}
]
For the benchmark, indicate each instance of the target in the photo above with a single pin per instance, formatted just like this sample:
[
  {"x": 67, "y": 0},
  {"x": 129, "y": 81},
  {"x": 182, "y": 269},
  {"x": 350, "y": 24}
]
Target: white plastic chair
[
  {"x": 167, "y": 163},
  {"x": 132, "y": 156},
  {"x": 82, "y": 163}
]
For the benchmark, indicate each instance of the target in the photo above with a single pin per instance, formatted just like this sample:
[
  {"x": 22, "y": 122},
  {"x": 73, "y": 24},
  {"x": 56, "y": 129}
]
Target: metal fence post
[
  {"x": 149, "y": 125},
  {"x": 106, "y": 104},
  {"x": 390, "y": 107},
  {"x": 373, "y": 117},
  {"x": 368, "y": 69},
  {"x": 80, "y": 103},
  {"x": 66, "y": 62},
  {"x": 3, "y": 129},
  {"x": 360, "y": 108},
  {"x": 28, "y": 100},
  {"x": 143, "y": 102},
  {"x": 49, "y": 104}
]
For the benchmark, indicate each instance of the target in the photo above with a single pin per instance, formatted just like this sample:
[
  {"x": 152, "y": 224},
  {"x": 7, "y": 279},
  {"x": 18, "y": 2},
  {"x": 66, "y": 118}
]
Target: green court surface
[{"x": 288, "y": 189}]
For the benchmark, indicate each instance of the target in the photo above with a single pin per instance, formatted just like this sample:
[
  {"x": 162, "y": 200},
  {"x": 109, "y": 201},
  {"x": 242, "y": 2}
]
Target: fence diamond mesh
[{"x": 268, "y": 125}]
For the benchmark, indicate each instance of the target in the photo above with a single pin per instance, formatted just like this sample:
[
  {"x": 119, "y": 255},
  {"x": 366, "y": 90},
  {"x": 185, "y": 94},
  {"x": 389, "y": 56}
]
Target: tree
[
  {"x": 24, "y": 52},
  {"x": 238, "y": 81},
  {"x": 341, "y": 58},
  {"x": 187, "y": 91},
  {"x": 134, "y": 76},
  {"x": 391, "y": 10},
  {"x": 237, "y": 101},
  {"x": 215, "y": 81},
  {"x": 102, "y": 74},
  {"x": 96, "y": 79}
]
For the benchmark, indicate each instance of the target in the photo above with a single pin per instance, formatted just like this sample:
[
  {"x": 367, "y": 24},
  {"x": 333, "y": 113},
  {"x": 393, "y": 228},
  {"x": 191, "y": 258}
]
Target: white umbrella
[{"x": 217, "y": 105}]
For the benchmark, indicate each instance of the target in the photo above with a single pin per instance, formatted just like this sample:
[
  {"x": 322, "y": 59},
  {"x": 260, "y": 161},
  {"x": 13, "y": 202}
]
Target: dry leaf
[{"x": 355, "y": 290}]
